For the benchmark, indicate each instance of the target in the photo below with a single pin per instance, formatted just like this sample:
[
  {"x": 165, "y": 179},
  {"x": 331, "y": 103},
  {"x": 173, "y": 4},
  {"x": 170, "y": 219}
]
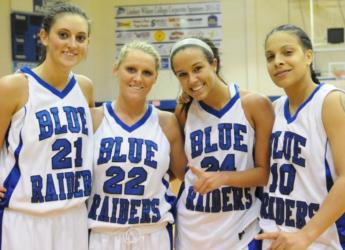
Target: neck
[
  {"x": 53, "y": 75},
  {"x": 219, "y": 96},
  {"x": 129, "y": 112},
  {"x": 299, "y": 93}
]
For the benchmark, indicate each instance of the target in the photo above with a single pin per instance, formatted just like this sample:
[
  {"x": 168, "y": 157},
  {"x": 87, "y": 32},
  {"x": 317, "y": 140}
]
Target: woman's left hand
[
  {"x": 288, "y": 241},
  {"x": 206, "y": 181}
]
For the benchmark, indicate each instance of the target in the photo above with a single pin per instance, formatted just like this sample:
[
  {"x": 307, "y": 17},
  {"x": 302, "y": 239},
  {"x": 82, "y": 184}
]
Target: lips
[
  {"x": 282, "y": 73},
  {"x": 136, "y": 87},
  {"x": 69, "y": 53}
]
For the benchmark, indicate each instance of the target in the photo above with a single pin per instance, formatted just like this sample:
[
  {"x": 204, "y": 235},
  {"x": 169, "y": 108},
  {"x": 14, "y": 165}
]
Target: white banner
[{"x": 162, "y": 25}]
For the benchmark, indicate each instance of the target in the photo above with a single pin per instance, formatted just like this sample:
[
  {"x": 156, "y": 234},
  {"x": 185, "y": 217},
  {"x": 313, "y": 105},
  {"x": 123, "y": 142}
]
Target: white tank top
[
  {"x": 131, "y": 183},
  {"x": 302, "y": 170},
  {"x": 46, "y": 159},
  {"x": 217, "y": 141}
]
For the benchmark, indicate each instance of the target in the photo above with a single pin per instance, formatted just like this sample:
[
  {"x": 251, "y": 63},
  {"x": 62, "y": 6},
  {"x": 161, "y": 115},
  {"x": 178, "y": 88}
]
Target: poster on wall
[
  {"x": 164, "y": 24},
  {"x": 42, "y": 6}
]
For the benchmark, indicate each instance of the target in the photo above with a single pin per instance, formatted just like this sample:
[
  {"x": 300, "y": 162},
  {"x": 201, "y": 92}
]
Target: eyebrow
[
  {"x": 70, "y": 31},
  {"x": 283, "y": 47},
  {"x": 193, "y": 65}
]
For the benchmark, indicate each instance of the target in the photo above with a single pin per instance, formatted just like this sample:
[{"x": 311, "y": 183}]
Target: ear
[
  {"x": 309, "y": 55},
  {"x": 115, "y": 69},
  {"x": 43, "y": 37},
  {"x": 214, "y": 64}
]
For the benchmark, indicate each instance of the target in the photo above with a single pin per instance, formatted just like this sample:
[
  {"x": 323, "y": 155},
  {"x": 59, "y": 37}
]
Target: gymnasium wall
[{"x": 245, "y": 25}]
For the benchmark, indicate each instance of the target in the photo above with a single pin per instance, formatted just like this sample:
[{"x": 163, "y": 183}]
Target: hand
[
  {"x": 206, "y": 181},
  {"x": 286, "y": 241},
  {"x": 183, "y": 98},
  {"x": 2, "y": 192}
]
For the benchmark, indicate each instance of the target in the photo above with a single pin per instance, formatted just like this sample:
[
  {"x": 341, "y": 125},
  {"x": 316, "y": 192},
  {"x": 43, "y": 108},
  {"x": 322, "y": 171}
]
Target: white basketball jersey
[
  {"x": 130, "y": 182},
  {"x": 46, "y": 159},
  {"x": 302, "y": 170},
  {"x": 217, "y": 141}
]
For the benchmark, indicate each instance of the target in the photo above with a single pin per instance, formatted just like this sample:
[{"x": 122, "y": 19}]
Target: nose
[
  {"x": 193, "y": 78},
  {"x": 72, "y": 42},
  {"x": 138, "y": 77},
  {"x": 278, "y": 60}
]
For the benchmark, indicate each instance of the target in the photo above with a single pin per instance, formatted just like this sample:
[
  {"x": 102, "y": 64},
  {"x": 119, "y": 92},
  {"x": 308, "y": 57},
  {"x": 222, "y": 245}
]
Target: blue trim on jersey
[
  {"x": 7, "y": 144},
  {"x": 125, "y": 126},
  {"x": 328, "y": 174},
  {"x": 170, "y": 232},
  {"x": 182, "y": 187},
  {"x": 255, "y": 245},
  {"x": 171, "y": 199},
  {"x": 56, "y": 92},
  {"x": 340, "y": 223},
  {"x": 287, "y": 114},
  {"x": 226, "y": 108},
  {"x": 10, "y": 184},
  {"x": 165, "y": 183}
]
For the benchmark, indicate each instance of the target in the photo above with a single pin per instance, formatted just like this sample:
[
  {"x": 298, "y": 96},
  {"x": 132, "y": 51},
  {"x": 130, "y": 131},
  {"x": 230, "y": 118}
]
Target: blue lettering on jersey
[
  {"x": 134, "y": 184},
  {"x": 124, "y": 211},
  {"x": 78, "y": 185},
  {"x": 290, "y": 148},
  {"x": 50, "y": 121},
  {"x": 229, "y": 135},
  {"x": 139, "y": 149},
  {"x": 286, "y": 158},
  {"x": 220, "y": 200},
  {"x": 288, "y": 212}
]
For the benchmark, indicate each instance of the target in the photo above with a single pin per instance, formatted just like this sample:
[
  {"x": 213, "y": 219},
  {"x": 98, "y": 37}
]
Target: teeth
[
  {"x": 136, "y": 87},
  {"x": 69, "y": 53},
  {"x": 196, "y": 88}
]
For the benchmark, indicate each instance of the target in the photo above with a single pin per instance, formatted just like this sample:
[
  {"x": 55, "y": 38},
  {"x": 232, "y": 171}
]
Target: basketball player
[
  {"x": 303, "y": 205},
  {"x": 227, "y": 133},
  {"x": 136, "y": 145},
  {"x": 46, "y": 142}
]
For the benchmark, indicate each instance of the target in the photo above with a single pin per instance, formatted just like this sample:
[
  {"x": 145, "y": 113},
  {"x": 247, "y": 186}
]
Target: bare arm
[
  {"x": 259, "y": 113},
  {"x": 86, "y": 86},
  {"x": 97, "y": 115},
  {"x": 333, "y": 116},
  {"x": 180, "y": 115},
  {"x": 13, "y": 95},
  {"x": 178, "y": 159}
]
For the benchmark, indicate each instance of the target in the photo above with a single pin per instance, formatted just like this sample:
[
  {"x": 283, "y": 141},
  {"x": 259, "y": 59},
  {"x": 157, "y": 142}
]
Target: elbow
[{"x": 263, "y": 180}]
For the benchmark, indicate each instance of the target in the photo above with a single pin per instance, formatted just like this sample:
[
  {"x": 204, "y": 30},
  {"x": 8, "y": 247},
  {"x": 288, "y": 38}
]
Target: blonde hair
[{"x": 139, "y": 45}]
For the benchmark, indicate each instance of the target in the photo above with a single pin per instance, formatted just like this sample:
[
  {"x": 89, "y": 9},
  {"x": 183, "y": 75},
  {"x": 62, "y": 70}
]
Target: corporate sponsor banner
[{"x": 162, "y": 25}]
